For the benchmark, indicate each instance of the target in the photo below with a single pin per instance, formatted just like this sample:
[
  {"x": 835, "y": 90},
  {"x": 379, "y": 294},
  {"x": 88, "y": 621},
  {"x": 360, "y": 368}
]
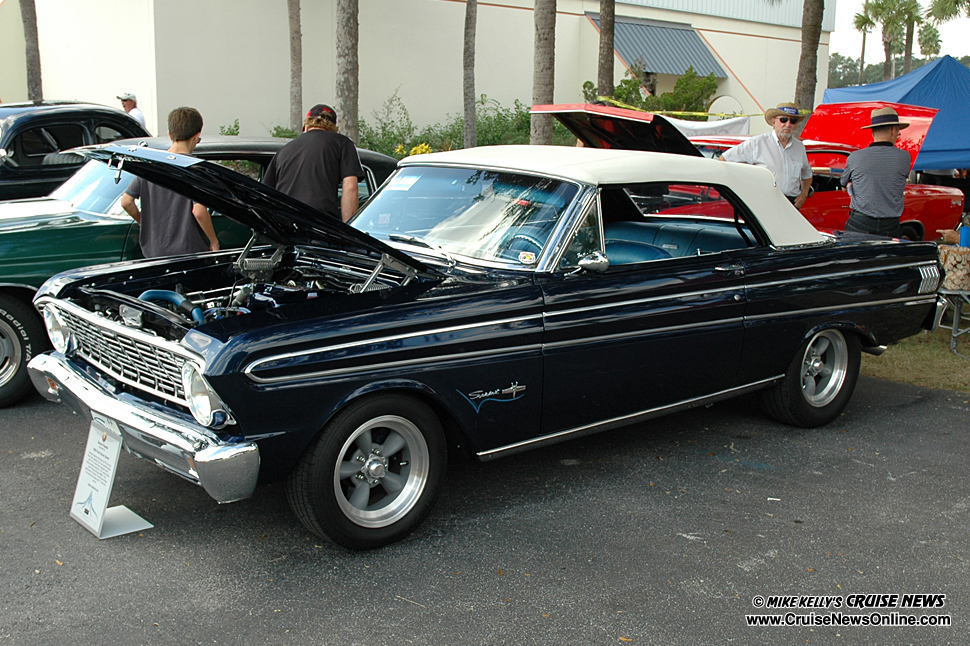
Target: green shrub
[
  {"x": 692, "y": 93},
  {"x": 284, "y": 132},
  {"x": 392, "y": 132},
  {"x": 232, "y": 130}
]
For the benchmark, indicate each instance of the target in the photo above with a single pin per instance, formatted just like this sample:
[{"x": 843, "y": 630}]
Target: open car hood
[
  {"x": 602, "y": 126},
  {"x": 843, "y": 123},
  {"x": 274, "y": 216}
]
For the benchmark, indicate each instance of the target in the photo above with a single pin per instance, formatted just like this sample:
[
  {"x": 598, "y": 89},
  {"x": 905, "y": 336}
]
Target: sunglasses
[{"x": 794, "y": 120}]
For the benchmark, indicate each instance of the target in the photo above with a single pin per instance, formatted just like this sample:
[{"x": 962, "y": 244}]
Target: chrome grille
[{"x": 128, "y": 359}]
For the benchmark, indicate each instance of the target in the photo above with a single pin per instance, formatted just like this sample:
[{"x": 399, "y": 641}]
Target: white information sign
[{"x": 90, "y": 504}]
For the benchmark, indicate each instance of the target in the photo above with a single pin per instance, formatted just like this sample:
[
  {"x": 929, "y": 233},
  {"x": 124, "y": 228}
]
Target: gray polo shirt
[
  {"x": 878, "y": 175},
  {"x": 789, "y": 164}
]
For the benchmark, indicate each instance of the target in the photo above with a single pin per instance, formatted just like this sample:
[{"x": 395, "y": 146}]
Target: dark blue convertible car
[{"x": 485, "y": 301}]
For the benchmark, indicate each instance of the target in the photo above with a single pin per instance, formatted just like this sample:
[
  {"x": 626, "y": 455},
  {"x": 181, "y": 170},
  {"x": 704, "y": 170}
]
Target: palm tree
[
  {"x": 912, "y": 15},
  {"x": 468, "y": 80},
  {"x": 929, "y": 40},
  {"x": 944, "y": 10},
  {"x": 28, "y": 13},
  {"x": 889, "y": 16},
  {"x": 296, "y": 65},
  {"x": 807, "y": 78},
  {"x": 544, "y": 69},
  {"x": 348, "y": 70},
  {"x": 604, "y": 77},
  {"x": 863, "y": 22}
]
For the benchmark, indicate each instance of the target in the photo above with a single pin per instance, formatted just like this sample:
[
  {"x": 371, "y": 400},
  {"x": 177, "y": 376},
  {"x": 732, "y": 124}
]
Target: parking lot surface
[{"x": 661, "y": 533}]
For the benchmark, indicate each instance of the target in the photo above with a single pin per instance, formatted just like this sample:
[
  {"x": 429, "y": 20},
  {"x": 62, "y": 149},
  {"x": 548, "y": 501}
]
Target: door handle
[{"x": 737, "y": 270}]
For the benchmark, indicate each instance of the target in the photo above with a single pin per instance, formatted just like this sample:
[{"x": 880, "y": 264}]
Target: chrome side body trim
[
  {"x": 437, "y": 359},
  {"x": 643, "y": 333},
  {"x": 170, "y": 439},
  {"x": 842, "y": 274},
  {"x": 641, "y": 301},
  {"x": 624, "y": 420},
  {"x": 843, "y": 306},
  {"x": 254, "y": 365}
]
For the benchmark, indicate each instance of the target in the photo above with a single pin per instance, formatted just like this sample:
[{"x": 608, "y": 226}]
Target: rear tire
[
  {"x": 819, "y": 382},
  {"x": 22, "y": 336},
  {"x": 909, "y": 232},
  {"x": 373, "y": 473}
]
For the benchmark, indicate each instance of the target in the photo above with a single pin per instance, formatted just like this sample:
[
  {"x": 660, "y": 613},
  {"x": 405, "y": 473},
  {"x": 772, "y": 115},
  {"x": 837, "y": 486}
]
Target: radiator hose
[{"x": 175, "y": 299}]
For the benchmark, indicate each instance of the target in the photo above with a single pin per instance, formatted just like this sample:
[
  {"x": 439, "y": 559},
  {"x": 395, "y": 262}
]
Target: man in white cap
[
  {"x": 130, "y": 104},
  {"x": 780, "y": 152},
  {"x": 876, "y": 177}
]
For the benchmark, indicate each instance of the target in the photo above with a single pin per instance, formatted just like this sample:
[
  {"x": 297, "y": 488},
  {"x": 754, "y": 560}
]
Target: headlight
[
  {"x": 61, "y": 337},
  {"x": 206, "y": 407}
]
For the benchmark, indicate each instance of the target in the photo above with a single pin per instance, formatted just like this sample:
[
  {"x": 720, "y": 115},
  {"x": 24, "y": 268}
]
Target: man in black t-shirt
[
  {"x": 172, "y": 224},
  {"x": 314, "y": 165}
]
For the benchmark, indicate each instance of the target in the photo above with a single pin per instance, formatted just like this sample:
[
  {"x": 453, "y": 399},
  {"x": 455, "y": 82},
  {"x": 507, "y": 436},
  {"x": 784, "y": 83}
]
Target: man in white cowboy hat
[
  {"x": 780, "y": 152},
  {"x": 876, "y": 177}
]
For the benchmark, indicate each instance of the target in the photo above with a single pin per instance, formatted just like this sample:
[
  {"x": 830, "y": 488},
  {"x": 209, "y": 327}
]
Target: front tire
[
  {"x": 373, "y": 473},
  {"x": 819, "y": 382},
  {"x": 22, "y": 336}
]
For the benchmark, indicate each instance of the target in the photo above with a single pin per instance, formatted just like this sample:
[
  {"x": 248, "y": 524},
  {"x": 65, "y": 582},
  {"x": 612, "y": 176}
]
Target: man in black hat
[
  {"x": 314, "y": 165},
  {"x": 876, "y": 177}
]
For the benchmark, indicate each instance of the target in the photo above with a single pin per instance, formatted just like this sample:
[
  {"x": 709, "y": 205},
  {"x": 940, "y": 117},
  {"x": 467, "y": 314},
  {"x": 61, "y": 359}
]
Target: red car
[{"x": 927, "y": 208}]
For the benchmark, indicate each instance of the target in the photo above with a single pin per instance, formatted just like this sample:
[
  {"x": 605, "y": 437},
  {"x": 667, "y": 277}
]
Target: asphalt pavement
[{"x": 667, "y": 532}]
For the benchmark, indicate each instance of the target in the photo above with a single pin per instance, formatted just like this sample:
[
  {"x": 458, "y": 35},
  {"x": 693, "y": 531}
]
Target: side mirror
[
  {"x": 3, "y": 155},
  {"x": 595, "y": 261}
]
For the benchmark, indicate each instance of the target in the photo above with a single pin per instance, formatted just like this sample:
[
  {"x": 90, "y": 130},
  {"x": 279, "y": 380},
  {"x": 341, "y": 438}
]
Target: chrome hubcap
[
  {"x": 382, "y": 471},
  {"x": 11, "y": 353},
  {"x": 824, "y": 368}
]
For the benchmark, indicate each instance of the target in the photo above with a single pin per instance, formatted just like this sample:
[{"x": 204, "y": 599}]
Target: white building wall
[
  {"x": 230, "y": 58},
  {"x": 13, "y": 59},
  {"x": 94, "y": 50}
]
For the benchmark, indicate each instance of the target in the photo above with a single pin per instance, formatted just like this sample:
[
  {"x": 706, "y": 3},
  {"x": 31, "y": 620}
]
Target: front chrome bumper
[{"x": 170, "y": 439}]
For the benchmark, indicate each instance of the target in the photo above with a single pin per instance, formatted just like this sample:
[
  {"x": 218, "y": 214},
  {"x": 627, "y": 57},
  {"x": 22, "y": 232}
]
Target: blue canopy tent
[{"x": 943, "y": 84}]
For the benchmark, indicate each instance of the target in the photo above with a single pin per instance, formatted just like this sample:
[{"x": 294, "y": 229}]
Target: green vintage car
[{"x": 82, "y": 223}]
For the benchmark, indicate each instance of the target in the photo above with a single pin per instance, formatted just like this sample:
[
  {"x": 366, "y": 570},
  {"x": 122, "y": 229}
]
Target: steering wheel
[{"x": 527, "y": 238}]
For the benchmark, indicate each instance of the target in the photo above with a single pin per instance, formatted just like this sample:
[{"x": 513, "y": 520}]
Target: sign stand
[{"x": 97, "y": 477}]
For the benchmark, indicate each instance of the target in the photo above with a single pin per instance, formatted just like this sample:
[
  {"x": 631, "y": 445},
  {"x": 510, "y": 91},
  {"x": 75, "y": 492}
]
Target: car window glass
[
  {"x": 245, "y": 167},
  {"x": 363, "y": 188},
  {"x": 586, "y": 239},
  {"x": 710, "y": 151},
  {"x": 93, "y": 188},
  {"x": 657, "y": 221},
  {"x": 482, "y": 214},
  {"x": 31, "y": 146},
  {"x": 103, "y": 134}
]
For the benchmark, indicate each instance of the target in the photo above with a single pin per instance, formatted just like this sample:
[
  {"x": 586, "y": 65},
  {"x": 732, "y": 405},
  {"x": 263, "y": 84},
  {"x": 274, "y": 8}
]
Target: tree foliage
[
  {"x": 944, "y": 10},
  {"x": 391, "y": 131},
  {"x": 692, "y": 93},
  {"x": 844, "y": 71}
]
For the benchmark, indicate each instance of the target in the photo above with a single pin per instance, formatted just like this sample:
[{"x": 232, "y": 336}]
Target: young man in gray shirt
[
  {"x": 172, "y": 224},
  {"x": 876, "y": 178}
]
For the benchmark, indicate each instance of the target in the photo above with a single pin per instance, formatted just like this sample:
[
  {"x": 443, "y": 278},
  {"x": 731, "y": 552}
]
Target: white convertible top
[{"x": 784, "y": 225}]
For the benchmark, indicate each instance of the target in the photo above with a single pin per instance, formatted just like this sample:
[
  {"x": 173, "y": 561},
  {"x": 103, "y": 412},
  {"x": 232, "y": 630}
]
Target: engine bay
[{"x": 255, "y": 281}]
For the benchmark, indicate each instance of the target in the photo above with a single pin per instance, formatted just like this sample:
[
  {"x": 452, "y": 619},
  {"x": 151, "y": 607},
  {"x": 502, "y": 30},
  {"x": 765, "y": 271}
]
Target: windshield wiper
[{"x": 421, "y": 242}]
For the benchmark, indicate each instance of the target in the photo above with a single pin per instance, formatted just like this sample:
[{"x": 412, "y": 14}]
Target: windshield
[
  {"x": 93, "y": 188},
  {"x": 476, "y": 213}
]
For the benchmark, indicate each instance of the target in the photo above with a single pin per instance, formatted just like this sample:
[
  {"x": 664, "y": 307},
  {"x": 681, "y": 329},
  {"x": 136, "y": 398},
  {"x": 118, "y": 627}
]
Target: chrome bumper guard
[
  {"x": 941, "y": 305},
  {"x": 227, "y": 472}
]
